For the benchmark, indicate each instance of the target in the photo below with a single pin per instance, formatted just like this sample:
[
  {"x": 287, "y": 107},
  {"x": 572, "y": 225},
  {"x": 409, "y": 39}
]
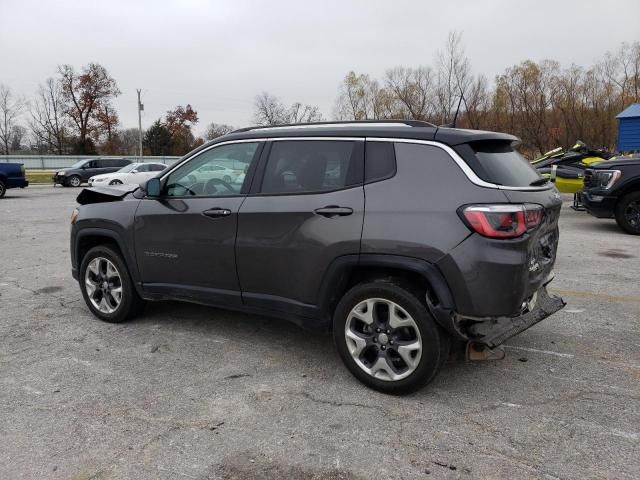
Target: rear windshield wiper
[{"x": 538, "y": 182}]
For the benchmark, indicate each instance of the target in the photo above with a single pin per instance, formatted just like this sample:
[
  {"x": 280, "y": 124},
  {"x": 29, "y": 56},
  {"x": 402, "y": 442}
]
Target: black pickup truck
[
  {"x": 612, "y": 190},
  {"x": 11, "y": 176}
]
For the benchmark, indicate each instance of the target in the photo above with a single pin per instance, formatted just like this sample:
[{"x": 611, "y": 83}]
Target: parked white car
[
  {"x": 207, "y": 172},
  {"x": 134, "y": 173}
]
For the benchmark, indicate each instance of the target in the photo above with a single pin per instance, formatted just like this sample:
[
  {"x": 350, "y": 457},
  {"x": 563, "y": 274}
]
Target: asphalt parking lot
[{"x": 193, "y": 392}]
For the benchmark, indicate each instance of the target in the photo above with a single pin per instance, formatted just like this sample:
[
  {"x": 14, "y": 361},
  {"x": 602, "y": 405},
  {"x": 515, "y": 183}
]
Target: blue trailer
[{"x": 629, "y": 129}]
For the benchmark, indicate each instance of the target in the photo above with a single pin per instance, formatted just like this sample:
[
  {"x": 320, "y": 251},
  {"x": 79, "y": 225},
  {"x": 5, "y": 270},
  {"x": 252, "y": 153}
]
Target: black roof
[{"x": 409, "y": 129}]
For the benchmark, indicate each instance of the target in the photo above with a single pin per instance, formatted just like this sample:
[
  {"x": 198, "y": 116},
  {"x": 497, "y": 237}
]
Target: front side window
[
  {"x": 302, "y": 166},
  {"x": 198, "y": 178}
]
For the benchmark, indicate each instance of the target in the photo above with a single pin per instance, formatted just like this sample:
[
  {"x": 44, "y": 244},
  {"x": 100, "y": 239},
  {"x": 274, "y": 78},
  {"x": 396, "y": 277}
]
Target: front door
[
  {"x": 185, "y": 239},
  {"x": 307, "y": 212}
]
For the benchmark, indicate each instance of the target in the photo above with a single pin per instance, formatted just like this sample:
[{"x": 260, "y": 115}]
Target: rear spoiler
[{"x": 105, "y": 194}]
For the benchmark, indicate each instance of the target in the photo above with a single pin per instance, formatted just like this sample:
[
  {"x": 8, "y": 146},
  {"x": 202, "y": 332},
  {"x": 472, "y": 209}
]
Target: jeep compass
[{"x": 399, "y": 237}]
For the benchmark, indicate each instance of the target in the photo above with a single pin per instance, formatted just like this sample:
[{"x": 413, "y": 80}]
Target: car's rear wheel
[
  {"x": 107, "y": 287},
  {"x": 74, "y": 181},
  {"x": 387, "y": 338},
  {"x": 628, "y": 213},
  {"x": 3, "y": 189},
  {"x": 115, "y": 182}
]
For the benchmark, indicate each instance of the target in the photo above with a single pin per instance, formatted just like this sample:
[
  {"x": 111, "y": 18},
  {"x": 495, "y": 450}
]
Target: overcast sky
[{"x": 217, "y": 55}]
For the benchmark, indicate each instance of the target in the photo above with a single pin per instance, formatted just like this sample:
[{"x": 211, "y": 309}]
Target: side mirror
[{"x": 152, "y": 187}]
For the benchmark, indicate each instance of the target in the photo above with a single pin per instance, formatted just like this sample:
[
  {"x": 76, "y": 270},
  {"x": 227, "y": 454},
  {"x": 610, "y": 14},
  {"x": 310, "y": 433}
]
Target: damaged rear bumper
[{"x": 495, "y": 331}]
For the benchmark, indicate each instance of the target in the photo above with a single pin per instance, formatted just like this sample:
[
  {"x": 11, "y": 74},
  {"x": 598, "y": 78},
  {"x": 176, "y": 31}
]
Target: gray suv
[{"x": 399, "y": 237}]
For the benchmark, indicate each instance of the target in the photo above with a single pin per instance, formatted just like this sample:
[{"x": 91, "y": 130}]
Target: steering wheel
[
  {"x": 186, "y": 189},
  {"x": 210, "y": 186}
]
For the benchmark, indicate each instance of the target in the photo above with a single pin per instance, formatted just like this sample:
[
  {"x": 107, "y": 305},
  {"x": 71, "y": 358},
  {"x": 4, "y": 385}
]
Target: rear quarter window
[{"x": 499, "y": 163}]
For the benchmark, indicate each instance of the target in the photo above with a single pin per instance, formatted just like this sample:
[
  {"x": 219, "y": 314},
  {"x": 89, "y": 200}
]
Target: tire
[
  {"x": 226, "y": 179},
  {"x": 3, "y": 189},
  {"x": 365, "y": 363},
  {"x": 111, "y": 310},
  {"x": 74, "y": 181},
  {"x": 115, "y": 182},
  {"x": 628, "y": 213}
]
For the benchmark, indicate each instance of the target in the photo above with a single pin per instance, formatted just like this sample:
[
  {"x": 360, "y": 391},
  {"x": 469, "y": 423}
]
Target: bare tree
[
  {"x": 128, "y": 141},
  {"x": 215, "y": 130},
  {"x": 85, "y": 94},
  {"x": 269, "y": 110},
  {"x": 48, "y": 123},
  {"x": 414, "y": 89},
  {"x": 361, "y": 98},
  {"x": 454, "y": 76},
  {"x": 10, "y": 109},
  {"x": 299, "y": 113}
]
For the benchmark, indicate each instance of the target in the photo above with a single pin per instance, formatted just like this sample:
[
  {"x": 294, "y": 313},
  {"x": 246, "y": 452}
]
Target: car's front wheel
[
  {"x": 628, "y": 213},
  {"x": 107, "y": 287},
  {"x": 387, "y": 338},
  {"x": 3, "y": 189},
  {"x": 115, "y": 182}
]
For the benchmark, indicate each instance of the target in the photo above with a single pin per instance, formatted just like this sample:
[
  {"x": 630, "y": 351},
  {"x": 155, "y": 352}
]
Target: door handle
[
  {"x": 217, "y": 212},
  {"x": 334, "y": 211}
]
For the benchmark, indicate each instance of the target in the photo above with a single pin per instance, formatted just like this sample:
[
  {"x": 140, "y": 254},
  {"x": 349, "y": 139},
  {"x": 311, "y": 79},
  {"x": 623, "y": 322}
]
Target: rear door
[{"x": 306, "y": 209}]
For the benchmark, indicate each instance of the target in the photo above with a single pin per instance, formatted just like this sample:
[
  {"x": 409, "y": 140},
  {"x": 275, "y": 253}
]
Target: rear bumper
[
  {"x": 600, "y": 206},
  {"x": 17, "y": 183},
  {"x": 495, "y": 331}
]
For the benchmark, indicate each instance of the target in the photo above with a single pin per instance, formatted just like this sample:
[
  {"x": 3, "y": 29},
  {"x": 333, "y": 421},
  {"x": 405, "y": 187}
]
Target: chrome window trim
[
  {"x": 253, "y": 140},
  {"x": 466, "y": 169}
]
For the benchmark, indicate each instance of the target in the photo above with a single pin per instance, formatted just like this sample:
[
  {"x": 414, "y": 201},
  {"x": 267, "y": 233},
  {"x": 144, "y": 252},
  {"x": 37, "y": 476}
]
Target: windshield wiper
[{"x": 538, "y": 182}]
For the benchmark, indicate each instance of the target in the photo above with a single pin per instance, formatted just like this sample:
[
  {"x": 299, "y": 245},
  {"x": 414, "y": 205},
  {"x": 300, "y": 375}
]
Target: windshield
[
  {"x": 79, "y": 163},
  {"x": 128, "y": 168}
]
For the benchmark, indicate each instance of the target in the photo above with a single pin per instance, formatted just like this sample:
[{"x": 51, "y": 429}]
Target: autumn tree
[
  {"x": 48, "y": 123},
  {"x": 86, "y": 95},
  {"x": 179, "y": 123},
  {"x": 10, "y": 109},
  {"x": 107, "y": 121}
]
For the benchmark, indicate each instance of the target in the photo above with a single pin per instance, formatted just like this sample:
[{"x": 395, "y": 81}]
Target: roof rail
[{"x": 348, "y": 123}]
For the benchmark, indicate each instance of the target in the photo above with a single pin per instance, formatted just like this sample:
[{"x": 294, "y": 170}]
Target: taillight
[{"x": 502, "y": 221}]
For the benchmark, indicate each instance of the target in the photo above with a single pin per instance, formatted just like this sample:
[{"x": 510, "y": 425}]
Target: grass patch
[{"x": 40, "y": 176}]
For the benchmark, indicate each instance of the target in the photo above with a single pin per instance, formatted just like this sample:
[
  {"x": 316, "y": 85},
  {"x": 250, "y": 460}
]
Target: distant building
[{"x": 629, "y": 129}]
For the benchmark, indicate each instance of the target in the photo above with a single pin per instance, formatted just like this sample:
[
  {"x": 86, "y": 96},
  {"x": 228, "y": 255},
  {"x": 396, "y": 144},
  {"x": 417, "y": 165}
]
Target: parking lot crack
[{"x": 334, "y": 403}]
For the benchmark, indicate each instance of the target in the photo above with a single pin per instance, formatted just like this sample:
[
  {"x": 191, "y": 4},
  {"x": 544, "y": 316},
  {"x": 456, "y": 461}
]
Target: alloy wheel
[
  {"x": 103, "y": 285},
  {"x": 75, "y": 181},
  {"x": 383, "y": 339}
]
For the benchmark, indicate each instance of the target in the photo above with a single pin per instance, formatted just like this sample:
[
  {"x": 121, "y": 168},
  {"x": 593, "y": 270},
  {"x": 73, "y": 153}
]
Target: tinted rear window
[{"x": 498, "y": 162}]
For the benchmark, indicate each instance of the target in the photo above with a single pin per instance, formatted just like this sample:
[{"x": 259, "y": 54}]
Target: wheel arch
[
  {"x": 632, "y": 186},
  {"x": 346, "y": 271},
  {"x": 87, "y": 238}
]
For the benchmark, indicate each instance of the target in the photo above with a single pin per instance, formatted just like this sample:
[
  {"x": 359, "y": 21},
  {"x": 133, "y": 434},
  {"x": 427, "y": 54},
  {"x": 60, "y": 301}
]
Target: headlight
[
  {"x": 62, "y": 173},
  {"x": 605, "y": 178}
]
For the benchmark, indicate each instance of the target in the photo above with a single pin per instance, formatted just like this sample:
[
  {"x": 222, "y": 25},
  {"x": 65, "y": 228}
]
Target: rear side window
[
  {"x": 157, "y": 168},
  {"x": 303, "y": 166},
  {"x": 380, "y": 161},
  {"x": 499, "y": 163}
]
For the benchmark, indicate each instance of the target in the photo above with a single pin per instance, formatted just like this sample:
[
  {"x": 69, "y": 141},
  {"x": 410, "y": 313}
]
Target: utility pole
[{"x": 140, "y": 109}]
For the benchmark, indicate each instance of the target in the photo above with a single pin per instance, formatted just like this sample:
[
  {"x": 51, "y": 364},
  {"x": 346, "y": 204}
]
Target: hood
[
  {"x": 616, "y": 162},
  {"x": 105, "y": 194}
]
